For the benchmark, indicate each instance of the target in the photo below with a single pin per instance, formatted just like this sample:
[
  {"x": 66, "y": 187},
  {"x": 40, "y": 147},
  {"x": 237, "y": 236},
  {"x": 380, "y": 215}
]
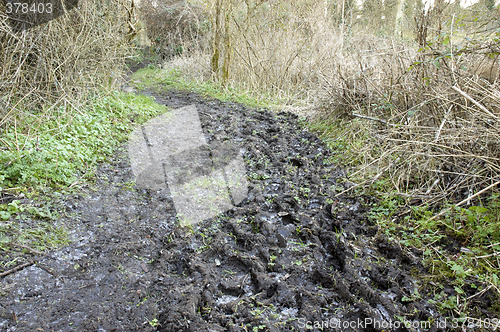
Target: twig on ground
[
  {"x": 17, "y": 268},
  {"x": 368, "y": 118},
  {"x": 490, "y": 255},
  {"x": 466, "y": 96},
  {"x": 25, "y": 247},
  {"x": 465, "y": 200},
  {"x": 479, "y": 293}
]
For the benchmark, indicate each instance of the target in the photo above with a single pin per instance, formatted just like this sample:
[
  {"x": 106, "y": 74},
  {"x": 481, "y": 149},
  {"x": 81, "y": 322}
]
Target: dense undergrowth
[
  {"x": 460, "y": 244},
  {"x": 57, "y": 116}
]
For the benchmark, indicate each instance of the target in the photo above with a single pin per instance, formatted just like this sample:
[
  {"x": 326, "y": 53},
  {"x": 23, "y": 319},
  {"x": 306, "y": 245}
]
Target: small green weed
[
  {"x": 6, "y": 210},
  {"x": 153, "y": 322},
  {"x": 272, "y": 261}
]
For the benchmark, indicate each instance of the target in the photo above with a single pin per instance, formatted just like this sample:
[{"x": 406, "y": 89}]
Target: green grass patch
[
  {"x": 44, "y": 235},
  {"x": 44, "y": 155},
  {"x": 346, "y": 139},
  {"x": 25, "y": 230},
  {"x": 172, "y": 78},
  {"x": 64, "y": 145}
]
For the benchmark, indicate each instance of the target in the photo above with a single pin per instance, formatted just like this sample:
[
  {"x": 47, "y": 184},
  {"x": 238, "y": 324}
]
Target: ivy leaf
[
  {"x": 406, "y": 299},
  {"x": 4, "y": 215},
  {"x": 459, "y": 270}
]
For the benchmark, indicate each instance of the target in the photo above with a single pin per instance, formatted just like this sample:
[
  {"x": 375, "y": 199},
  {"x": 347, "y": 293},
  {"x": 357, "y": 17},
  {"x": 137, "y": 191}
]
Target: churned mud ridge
[{"x": 288, "y": 255}]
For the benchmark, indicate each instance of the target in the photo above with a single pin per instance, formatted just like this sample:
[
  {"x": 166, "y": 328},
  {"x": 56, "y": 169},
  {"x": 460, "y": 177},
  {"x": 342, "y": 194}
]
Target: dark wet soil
[{"x": 289, "y": 257}]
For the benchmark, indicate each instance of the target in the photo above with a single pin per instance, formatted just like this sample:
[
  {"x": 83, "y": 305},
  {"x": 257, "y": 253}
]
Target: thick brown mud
[{"x": 289, "y": 257}]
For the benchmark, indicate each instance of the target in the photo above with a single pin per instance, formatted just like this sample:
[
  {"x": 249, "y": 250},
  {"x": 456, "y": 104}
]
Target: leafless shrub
[
  {"x": 62, "y": 61},
  {"x": 173, "y": 26},
  {"x": 283, "y": 47},
  {"x": 432, "y": 113}
]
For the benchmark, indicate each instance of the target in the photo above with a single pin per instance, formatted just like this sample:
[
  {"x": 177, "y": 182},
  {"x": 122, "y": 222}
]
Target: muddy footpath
[{"x": 288, "y": 256}]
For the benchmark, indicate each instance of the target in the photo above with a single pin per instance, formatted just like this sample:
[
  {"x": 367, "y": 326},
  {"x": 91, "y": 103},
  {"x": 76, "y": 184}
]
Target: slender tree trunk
[
  {"x": 398, "y": 24},
  {"x": 342, "y": 26},
  {"x": 216, "y": 40},
  {"x": 227, "y": 50}
]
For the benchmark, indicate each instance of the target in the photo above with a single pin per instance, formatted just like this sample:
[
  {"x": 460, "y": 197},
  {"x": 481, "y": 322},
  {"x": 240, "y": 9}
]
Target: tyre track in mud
[{"x": 286, "y": 256}]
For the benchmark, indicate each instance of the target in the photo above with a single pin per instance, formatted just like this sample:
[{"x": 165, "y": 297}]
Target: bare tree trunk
[
  {"x": 216, "y": 41},
  {"x": 227, "y": 50},
  {"x": 398, "y": 24},
  {"x": 342, "y": 27}
]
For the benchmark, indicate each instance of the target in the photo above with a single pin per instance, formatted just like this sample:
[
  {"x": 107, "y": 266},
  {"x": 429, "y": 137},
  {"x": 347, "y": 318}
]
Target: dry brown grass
[
  {"x": 435, "y": 120},
  {"x": 282, "y": 47},
  {"x": 63, "y": 61},
  {"x": 434, "y": 116}
]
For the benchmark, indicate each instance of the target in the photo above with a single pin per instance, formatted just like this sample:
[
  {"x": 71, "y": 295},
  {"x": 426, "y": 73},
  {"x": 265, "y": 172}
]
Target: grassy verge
[
  {"x": 152, "y": 77},
  {"x": 47, "y": 155}
]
